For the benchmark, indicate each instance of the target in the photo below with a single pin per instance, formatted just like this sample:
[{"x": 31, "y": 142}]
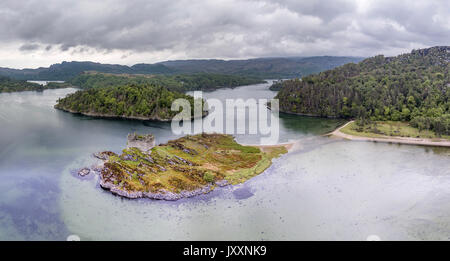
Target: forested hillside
[
  {"x": 67, "y": 70},
  {"x": 146, "y": 102},
  {"x": 181, "y": 83},
  {"x": 10, "y": 85},
  {"x": 276, "y": 85},
  {"x": 411, "y": 87},
  {"x": 267, "y": 68}
]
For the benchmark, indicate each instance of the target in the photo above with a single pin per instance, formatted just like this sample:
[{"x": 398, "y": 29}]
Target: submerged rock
[
  {"x": 84, "y": 172},
  {"x": 222, "y": 183}
]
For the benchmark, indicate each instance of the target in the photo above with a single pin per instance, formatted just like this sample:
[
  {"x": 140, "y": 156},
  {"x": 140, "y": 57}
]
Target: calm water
[
  {"x": 45, "y": 82},
  {"x": 327, "y": 189}
]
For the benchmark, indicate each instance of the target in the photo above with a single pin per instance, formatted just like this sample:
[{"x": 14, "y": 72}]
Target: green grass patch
[{"x": 383, "y": 129}]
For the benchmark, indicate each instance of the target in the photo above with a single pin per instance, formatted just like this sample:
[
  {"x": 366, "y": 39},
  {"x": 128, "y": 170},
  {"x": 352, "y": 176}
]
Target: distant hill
[
  {"x": 67, "y": 70},
  {"x": 289, "y": 67},
  {"x": 411, "y": 87},
  {"x": 178, "y": 82},
  {"x": 262, "y": 67}
]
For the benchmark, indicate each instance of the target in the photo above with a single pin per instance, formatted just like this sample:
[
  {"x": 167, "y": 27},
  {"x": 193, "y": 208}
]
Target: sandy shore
[
  {"x": 390, "y": 139},
  {"x": 288, "y": 146}
]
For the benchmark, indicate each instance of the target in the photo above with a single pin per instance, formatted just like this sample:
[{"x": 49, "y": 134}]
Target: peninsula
[
  {"x": 390, "y": 132},
  {"x": 412, "y": 88}
]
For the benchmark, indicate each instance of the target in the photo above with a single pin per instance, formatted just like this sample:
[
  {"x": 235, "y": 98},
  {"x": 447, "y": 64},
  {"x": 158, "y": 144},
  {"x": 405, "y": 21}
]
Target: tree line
[
  {"x": 180, "y": 82},
  {"x": 413, "y": 87},
  {"x": 10, "y": 85},
  {"x": 127, "y": 101}
]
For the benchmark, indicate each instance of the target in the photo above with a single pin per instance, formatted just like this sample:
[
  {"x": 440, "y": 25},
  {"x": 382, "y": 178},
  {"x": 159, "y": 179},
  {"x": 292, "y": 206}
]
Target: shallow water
[{"x": 328, "y": 189}]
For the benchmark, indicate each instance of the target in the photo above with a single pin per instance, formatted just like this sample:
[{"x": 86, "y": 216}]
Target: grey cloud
[
  {"x": 229, "y": 29},
  {"x": 29, "y": 47},
  {"x": 325, "y": 10}
]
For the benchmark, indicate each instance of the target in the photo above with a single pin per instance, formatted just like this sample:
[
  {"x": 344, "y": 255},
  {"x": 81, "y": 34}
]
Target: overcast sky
[{"x": 42, "y": 32}]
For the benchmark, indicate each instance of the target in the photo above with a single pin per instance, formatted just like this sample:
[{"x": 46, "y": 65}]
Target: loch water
[{"x": 327, "y": 189}]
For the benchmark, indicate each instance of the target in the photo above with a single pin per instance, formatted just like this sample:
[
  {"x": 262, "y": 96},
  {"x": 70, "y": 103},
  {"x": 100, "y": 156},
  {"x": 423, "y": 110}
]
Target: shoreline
[
  {"x": 307, "y": 114},
  {"x": 112, "y": 117},
  {"x": 164, "y": 194},
  {"x": 287, "y": 145},
  {"x": 388, "y": 139}
]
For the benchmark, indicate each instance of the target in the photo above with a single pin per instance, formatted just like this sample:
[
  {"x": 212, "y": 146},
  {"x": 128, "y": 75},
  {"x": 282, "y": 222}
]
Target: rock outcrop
[{"x": 143, "y": 142}]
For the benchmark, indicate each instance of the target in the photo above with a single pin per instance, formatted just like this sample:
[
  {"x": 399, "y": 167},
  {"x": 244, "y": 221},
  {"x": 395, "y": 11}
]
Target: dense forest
[
  {"x": 10, "y": 85},
  {"x": 180, "y": 83},
  {"x": 67, "y": 70},
  {"x": 146, "y": 102},
  {"x": 276, "y": 85},
  {"x": 268, "y": 68},
  {"x": 412, "y": 87}
]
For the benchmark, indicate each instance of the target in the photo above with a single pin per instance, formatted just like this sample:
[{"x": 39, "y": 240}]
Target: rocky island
[{"x": 181, "y": 168}]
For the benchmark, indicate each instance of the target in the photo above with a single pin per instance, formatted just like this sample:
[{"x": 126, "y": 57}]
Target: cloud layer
[{"x": 48, "y": 31}]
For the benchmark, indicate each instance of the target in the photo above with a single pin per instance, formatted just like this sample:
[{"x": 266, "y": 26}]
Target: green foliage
[
  {"x": 180, "y": 83},
  {"x": 410, "y": 87},
  {"x": 267, "y": 68},
  {"x": 127, "y": 101},
  {"x": 10, "y": 85},
  {"x": 441, "y": 124},
  {"x": 383, "y": 129},
  {"x": 208, "y": 177},
  {"x": 66, "y": 70},
  {"x": 276, "y": 85}
]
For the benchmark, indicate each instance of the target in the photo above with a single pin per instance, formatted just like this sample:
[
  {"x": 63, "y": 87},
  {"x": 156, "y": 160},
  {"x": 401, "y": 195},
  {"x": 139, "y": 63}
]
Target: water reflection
[{"x": 327, "y": 189}]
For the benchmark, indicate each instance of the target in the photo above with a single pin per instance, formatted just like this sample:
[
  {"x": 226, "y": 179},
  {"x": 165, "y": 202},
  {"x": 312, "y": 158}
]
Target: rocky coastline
[
  {"x": 111, "y": 116},
  {"x": 162, "y": 194},
  {"x": 175, "y": 171},
  {"x": 123, "y": 117}
]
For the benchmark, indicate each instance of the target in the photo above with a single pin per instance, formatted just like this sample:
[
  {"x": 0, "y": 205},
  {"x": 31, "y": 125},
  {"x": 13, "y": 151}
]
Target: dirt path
[{"x": 389, "y": 139}]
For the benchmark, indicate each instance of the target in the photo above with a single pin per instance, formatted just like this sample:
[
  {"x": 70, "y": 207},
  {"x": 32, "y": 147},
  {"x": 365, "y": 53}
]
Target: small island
[
  {"x": 181, "y": 168},
  {"x": 138, "y": 102}
]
